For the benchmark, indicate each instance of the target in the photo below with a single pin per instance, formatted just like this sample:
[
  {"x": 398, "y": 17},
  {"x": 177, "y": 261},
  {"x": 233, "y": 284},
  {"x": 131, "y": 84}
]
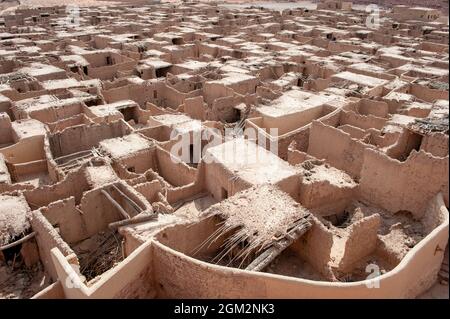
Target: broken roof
[{"x": 260, "y": 216}]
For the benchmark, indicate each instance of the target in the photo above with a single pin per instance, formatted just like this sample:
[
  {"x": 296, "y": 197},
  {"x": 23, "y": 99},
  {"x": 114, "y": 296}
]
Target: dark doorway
[{"x": 223, "y": 193}]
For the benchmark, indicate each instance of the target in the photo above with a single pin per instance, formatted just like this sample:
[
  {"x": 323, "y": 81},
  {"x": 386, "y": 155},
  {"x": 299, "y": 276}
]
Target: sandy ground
[
  {"x": 22, "y": 282},
  {"x": 193, "y": 209}
]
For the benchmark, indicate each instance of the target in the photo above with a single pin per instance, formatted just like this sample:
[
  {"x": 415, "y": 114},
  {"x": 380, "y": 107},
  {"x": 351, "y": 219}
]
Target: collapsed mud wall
[
  {"x": 26, "y": 150},
  {"x": 180, "y": 276},
  {"x": 74, "y": 185},
  {"x": 64, "y": 215},
  {"x": 435, "y": 144},
  {"x": 337, "y": 148},
  {"x": 47, "y": 239},
  {"x": 315, "y": 247},
  {"x": 361, "y": 242},
  {"x": 394, "y": 185},
  {"x": 83, "y": 137}
]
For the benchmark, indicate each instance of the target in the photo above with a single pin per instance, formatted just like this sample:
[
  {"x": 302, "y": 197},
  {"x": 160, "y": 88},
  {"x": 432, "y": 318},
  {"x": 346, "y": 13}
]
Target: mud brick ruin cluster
[{"x": 94, "y": 203}]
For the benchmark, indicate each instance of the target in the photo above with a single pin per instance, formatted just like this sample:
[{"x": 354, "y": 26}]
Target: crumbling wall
[
  {"x": 149, "y": 190},
  {"x": 177, "y": 174},
  {"x": 140, "y": 162},
  {"x": 73, "y": 185},
  {"x": 161, "y": 133},
  {"x": 338, "y": 148},
  {"x": 79, "y": 119},
  {"x": 138, "y": 93},
  {"x": 379, "y": 109},
  {"x": 428, "y": 94},
  {"x": 355, "y": 132},
  {"x": 189, "y": 190},
  {"x": 5, "y": 177},
  {"x": 435, "y": 214},
  {"x": 98, "y": 212},
  {"x": 47, "y": 239},
  {"x": 325, "y": 197},
  {"x": 405, "y": 143},
  {"x": 395, "y": 185},
  {"x": 297, "y": 157},
  {"x": 80, "y": 138},
  {"x": 222, "y": 109},
  {"x": 361, "y": 241},
  {"x": 293, "y": 121},
  {"x": 362, "y": 121},
  {"x": 195, "y": 108},
  {"x": 64, "y": 215},
  {"x": 218, "y": 179},
  {"x": 5, "y": 104},
  {"x": 172, "y": 98},
  {"x": 53, "y": 291},
  {"x": 435, "y": 144},
  {"x": 315, "y": 247},
  {"x": 26, "y": 150},
  {"x": 53, "y": 114},
  {"x": 5, "y": 129},
  {"x": 22, "y": 170},
  {"x": 108, "y": 72}
]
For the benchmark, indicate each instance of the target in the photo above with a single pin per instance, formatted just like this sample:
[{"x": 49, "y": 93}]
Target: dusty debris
[
  {"x": 20, "y": 282},
  {"x": 99, "y": 254},
  {"x": 13, "y": 218},
  {"x": 430, "y": 125},
  {"x": 250, "y": 237}
]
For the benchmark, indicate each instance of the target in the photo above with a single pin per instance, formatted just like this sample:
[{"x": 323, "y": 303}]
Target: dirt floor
[
  {"x": 22, "y": 282},
  {"x": 99, "y": 254},
  {"x": 36, "y": 180},
  {"x": 400, "y": 232},
  {"x": 193, "y": 209},
  {"x": 362, "y": 270},
  {"x": 290, "y": 264}
]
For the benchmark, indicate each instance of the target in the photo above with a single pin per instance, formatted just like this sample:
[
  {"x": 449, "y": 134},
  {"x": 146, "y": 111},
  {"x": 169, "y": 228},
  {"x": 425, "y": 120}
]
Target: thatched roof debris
[
  {"x": 14, "y": 221},
  {"x": 255, "y": 220}
]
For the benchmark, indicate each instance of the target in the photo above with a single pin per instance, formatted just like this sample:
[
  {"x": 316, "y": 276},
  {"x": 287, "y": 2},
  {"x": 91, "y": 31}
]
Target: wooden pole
[
  {"x": 116, "y": 204},
  {"x": 263, "y": 260},
  {"x": 131, "y": 221},
  {"x": 77, "y": 154},
  {"x": 17, "y": 242},
  {"x": 132, "y": 202}
]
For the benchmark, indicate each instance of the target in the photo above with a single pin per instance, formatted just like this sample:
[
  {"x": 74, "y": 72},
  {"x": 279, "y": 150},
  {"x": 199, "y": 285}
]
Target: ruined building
[{"x": 199, "y": 151}]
